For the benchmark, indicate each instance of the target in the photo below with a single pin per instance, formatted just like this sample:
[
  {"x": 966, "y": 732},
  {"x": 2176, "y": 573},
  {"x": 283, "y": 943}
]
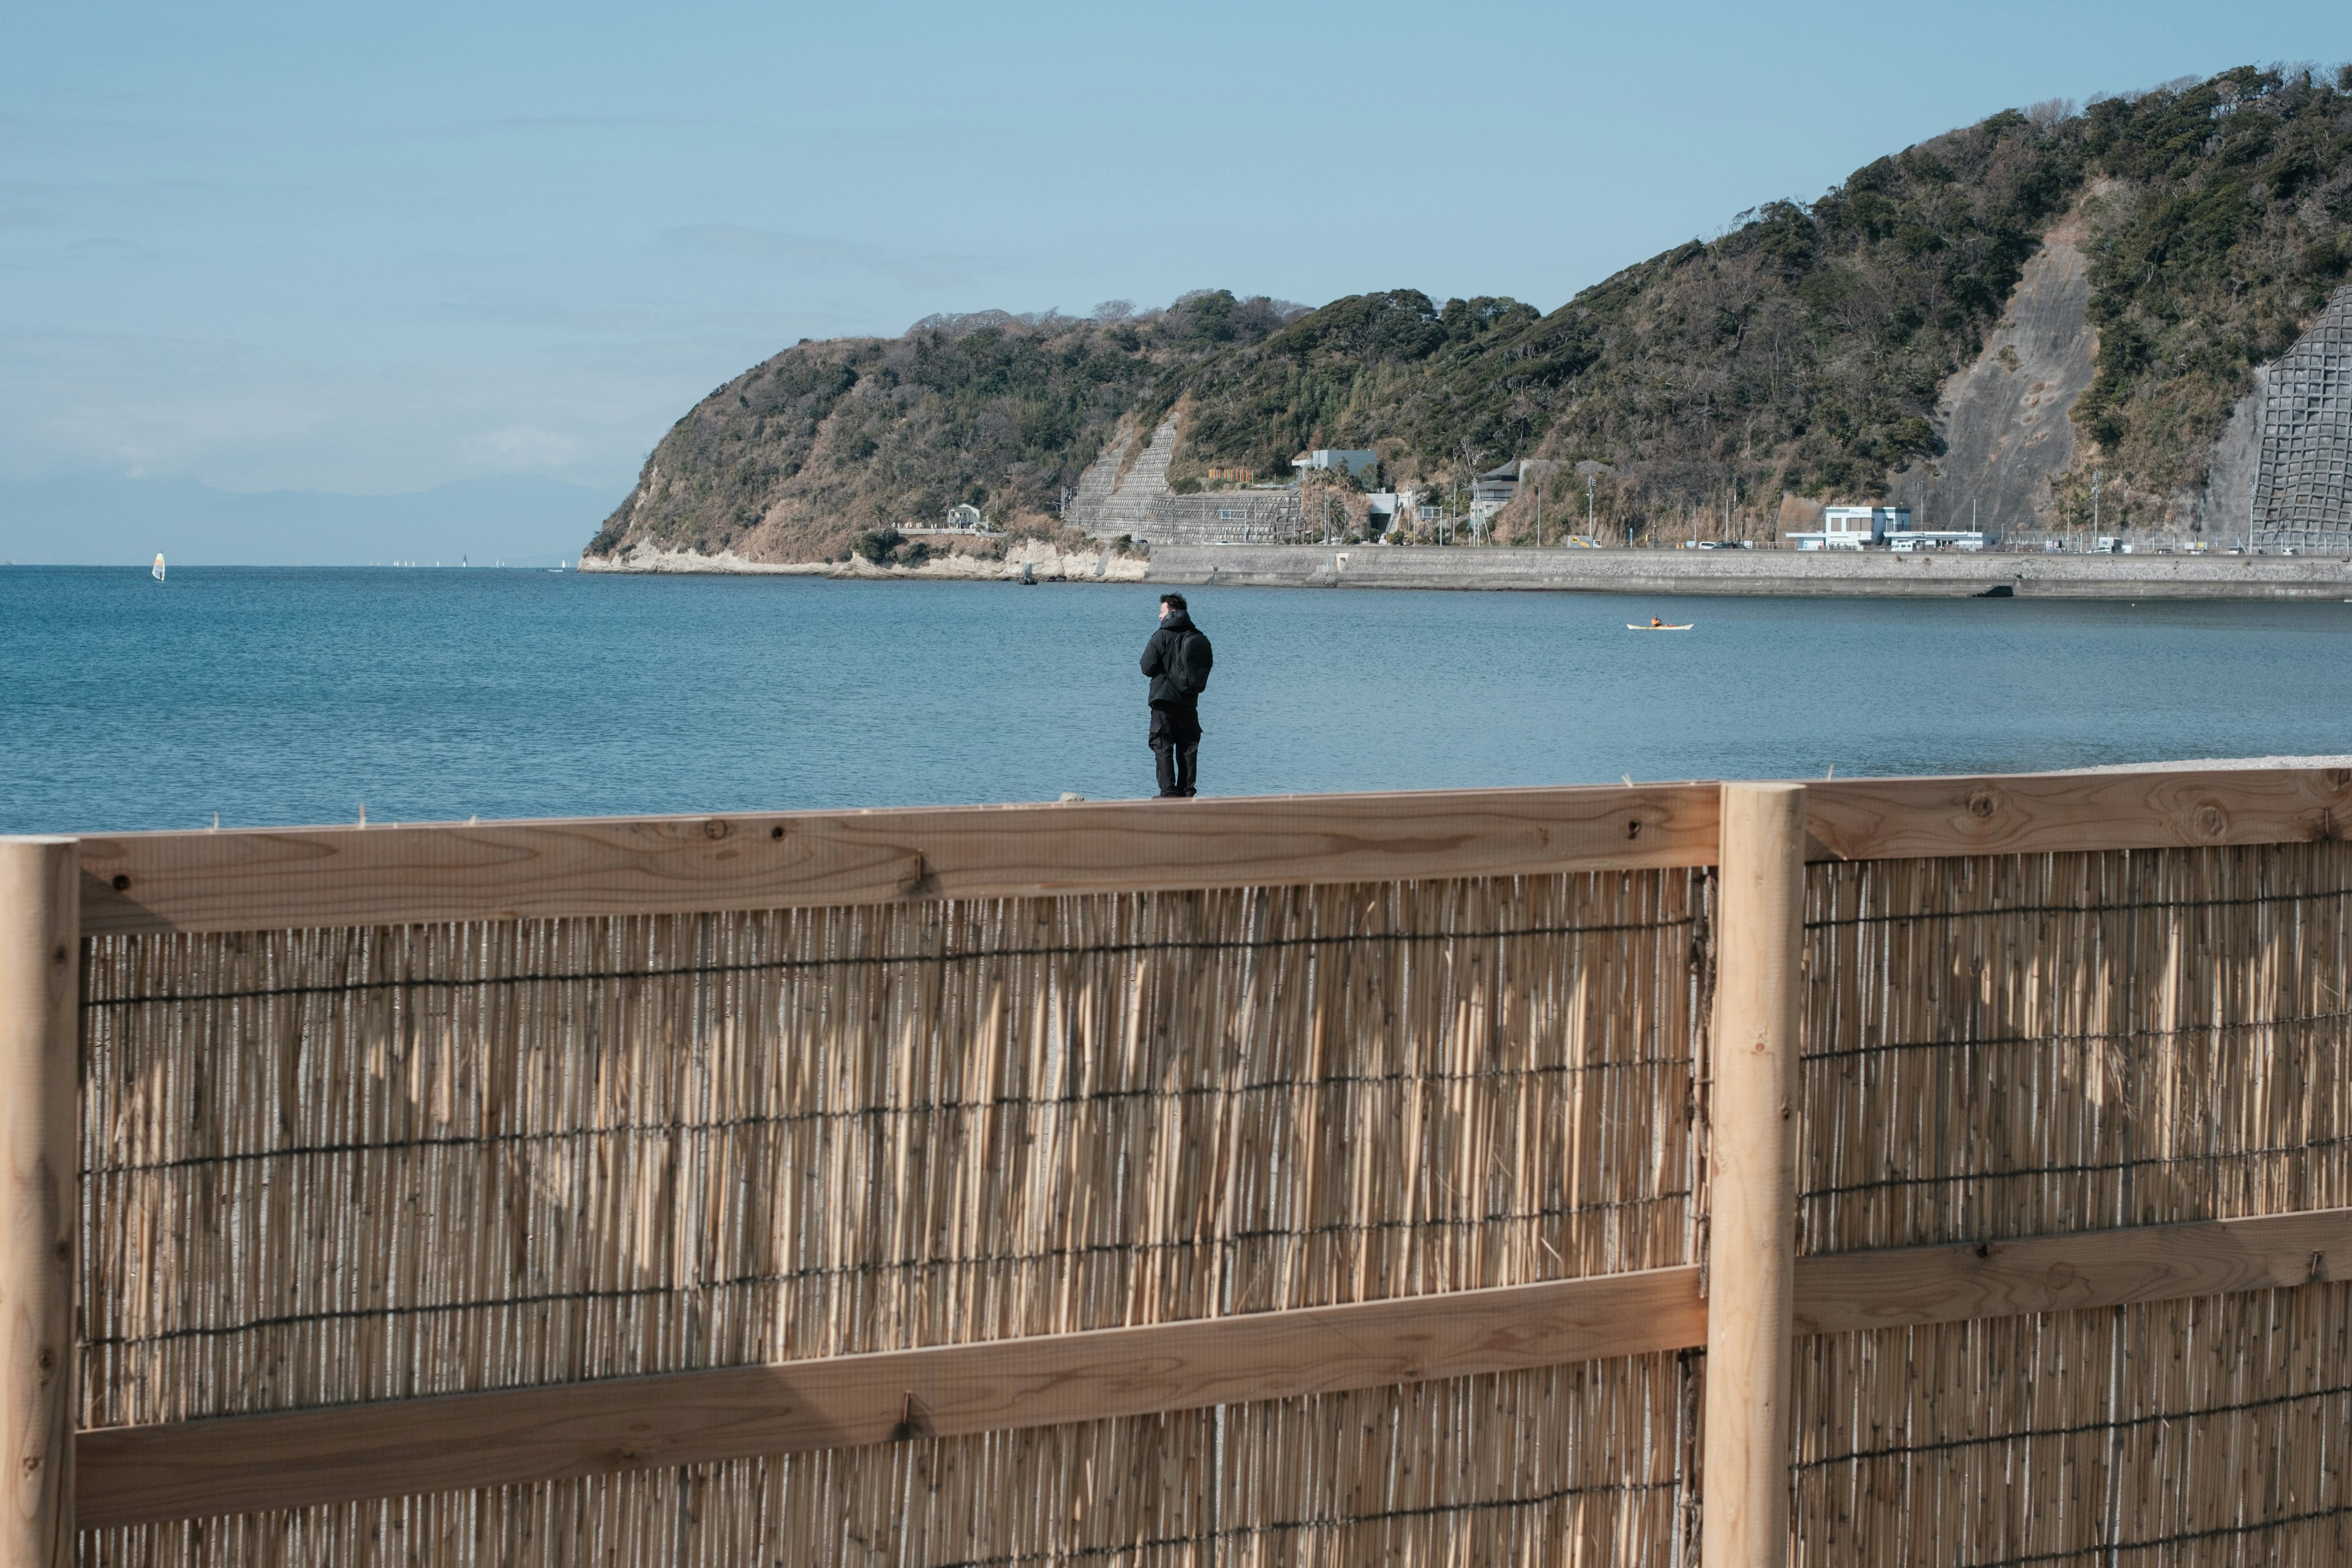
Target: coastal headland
[
  {"x": 2131, "y": 322},
  {"x": 1937, "y": 574}
]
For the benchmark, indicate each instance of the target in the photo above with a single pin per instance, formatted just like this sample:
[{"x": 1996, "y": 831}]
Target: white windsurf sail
[{"x": 158, "y": 567}]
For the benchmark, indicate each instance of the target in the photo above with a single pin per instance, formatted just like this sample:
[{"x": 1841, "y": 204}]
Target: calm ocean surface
[{"x": 294, "y": 696}]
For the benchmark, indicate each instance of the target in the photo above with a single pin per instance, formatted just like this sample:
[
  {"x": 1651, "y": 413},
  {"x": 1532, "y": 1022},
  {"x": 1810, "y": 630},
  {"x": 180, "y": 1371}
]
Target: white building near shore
[{"x": 1887, "y": 527}]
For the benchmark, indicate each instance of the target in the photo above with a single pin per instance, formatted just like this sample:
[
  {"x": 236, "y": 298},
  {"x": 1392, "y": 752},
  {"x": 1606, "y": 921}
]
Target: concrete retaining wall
[{"x": 1760, "y": 571}]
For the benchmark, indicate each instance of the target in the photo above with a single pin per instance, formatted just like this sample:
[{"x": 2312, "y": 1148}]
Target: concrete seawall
[{"x": 1939, "y": 575}]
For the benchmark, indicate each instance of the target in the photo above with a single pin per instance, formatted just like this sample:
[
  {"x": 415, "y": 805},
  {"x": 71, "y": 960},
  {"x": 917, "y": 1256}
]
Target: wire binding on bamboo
[
  {"x": 2028, "y": 1046},
  {"x": 331, "y": 1167},
  {"x": 327, "y": 1166}
]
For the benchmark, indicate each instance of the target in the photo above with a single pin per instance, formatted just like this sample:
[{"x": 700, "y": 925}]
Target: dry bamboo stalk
[
  {"x": 546, "y": 1149},
  {"x": 530, "y": 1153}
]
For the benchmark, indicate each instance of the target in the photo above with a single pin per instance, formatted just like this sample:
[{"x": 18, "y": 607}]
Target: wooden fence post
[
  {"x": 40, "y": 1208},
  {"x": 1752, "y": 1175}
]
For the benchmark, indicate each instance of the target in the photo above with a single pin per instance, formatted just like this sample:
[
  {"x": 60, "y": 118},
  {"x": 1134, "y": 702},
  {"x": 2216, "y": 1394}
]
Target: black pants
[{"x": 1176, "y": 749}]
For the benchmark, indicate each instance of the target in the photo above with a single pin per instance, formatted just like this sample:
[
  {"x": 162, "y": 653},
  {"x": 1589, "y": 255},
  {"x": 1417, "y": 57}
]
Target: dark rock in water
[{"x": 1998, "y": 591}]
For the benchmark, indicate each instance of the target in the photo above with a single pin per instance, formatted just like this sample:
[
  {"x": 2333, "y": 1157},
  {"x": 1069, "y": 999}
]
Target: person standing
[{"x": 1177, "y": 659}]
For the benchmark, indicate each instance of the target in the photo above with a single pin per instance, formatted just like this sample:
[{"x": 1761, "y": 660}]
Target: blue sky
[{"x": 374, "y": 249}]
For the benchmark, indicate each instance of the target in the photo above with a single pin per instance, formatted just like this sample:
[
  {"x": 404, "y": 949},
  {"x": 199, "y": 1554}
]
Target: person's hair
[{"x": 1173, "y": 601}]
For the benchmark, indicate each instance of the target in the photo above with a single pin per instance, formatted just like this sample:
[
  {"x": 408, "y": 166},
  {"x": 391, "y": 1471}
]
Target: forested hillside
[
  {"x": 1802, "y": 351},
  {"x": 795, "y": 457}
]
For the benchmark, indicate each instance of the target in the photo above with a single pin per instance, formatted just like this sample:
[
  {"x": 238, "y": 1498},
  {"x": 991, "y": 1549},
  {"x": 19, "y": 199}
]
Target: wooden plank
[
  {"x": 1917, "y": 1285},
  {"x": 1753, "y": 1176},
  {"x": 252, "y": 880},
  {"x": 1890, "y": 819},
  {"x": 242, "y": 1463},
  {"x": 260, "y": 879},
  {"x": 192, "y": 1469},
  {"x": 40, "y": 1207}
]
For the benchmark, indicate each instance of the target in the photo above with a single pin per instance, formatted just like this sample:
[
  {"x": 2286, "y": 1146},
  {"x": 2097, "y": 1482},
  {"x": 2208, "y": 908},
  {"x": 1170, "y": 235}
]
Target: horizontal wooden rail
[
  {"x": 257, "y": 879},
  {"x": 1904, "y": 1286},
  {"x": 135, "y": 1474},
  {"x": 2037, "y": 814},
  {"x": 254, "y": 879},
  {"x": 246, "y": 1464}
]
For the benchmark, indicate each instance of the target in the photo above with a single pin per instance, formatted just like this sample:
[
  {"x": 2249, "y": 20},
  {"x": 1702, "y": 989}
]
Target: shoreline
[
  {"x": 1776, "y": 573},
  {"x": 1041, "y": 559},
  {"x": 1773, "y": 573}
]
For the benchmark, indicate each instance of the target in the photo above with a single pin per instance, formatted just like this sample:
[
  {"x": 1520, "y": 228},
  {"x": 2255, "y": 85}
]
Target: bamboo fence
[{"x": 1319, "y": 1182}]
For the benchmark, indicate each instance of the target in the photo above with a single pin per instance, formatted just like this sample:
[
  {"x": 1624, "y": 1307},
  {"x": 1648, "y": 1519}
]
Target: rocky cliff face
[{"x": 2005, "y": 422}]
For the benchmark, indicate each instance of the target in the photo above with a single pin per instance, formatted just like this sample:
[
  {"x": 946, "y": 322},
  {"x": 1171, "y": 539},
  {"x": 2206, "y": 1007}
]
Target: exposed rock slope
[{"x": 2005, "y": 422}]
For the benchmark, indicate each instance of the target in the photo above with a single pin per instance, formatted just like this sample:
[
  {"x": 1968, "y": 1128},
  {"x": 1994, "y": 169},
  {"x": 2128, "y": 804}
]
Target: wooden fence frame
[{"x": 53, "y": 1481}]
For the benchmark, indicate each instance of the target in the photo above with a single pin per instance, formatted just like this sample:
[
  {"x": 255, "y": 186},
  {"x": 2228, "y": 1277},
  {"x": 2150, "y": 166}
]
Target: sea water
[{"x": 301, "y": 696}]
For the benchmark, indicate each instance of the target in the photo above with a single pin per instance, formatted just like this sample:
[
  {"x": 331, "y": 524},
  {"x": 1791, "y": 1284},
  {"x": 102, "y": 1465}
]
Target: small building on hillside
[
  {"x": 1493, "y": 491},
  {"x": 1357, "y": 464},
  {"x": 1384, "y": 509},
  {"x": 961, "y": 519}
]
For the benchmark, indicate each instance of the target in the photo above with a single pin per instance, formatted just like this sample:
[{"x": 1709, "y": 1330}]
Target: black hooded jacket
[{"x": 1159, "y": 660}]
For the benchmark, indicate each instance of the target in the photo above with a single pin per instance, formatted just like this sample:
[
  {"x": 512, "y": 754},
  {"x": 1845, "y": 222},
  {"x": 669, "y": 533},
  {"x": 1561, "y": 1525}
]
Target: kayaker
[{"x": 1655, "y": 622}]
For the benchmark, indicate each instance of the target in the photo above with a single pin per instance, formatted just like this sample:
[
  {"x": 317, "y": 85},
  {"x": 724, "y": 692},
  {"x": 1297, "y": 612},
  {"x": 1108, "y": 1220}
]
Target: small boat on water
[
  {"x": 158, "y": 572},
  {"x": 1659, "y": 627}
]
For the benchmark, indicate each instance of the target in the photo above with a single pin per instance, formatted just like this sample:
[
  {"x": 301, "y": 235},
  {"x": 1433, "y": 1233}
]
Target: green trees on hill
[
  {"x": 2225, "y": 221},
  {"x": 799, "y": 456},
  {"x": 1802, "y": 350},
  {"x": 1375, "y": 370}
]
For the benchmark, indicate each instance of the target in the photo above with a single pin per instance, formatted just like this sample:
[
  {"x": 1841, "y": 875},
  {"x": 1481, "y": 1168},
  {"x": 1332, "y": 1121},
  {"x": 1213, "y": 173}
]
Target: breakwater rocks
[
  {"x": 1036, "y": 558},
  {"x": 1932, "y": 574}
]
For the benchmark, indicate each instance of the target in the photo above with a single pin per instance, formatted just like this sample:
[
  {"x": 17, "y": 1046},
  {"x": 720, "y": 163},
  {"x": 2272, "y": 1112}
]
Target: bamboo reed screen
[
  {"x": 2032, "y": 1045},
  {"x": 329, "y": 1166},
  {"x": 341, "y": 1165}
]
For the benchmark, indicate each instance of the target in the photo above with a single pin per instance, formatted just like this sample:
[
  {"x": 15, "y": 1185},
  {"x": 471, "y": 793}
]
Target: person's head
[{"x": 1170, "y": 604}]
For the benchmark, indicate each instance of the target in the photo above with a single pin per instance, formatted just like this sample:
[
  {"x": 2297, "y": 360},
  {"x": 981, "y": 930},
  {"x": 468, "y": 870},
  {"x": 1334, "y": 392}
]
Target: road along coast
[{"x": 1775, "y": 573}]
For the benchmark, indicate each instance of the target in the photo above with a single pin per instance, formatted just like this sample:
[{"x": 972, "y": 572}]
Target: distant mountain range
[
  {"x": 96, "y": 520},
  {"x": 1981, "y": 325}
]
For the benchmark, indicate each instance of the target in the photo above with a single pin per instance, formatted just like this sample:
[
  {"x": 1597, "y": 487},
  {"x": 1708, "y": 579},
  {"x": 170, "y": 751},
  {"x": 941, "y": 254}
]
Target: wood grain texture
[
  {"x": 244, "y": 880},
  {"x": 1889, "y": 819},
  {"x": 282, "y": 879},
  {"x": 1752, "y": 1158},
  {"x": 192, "y": 1469},
  {"x": 1908, "y": 1286},
  {"x": 40, "y": 1207}
]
